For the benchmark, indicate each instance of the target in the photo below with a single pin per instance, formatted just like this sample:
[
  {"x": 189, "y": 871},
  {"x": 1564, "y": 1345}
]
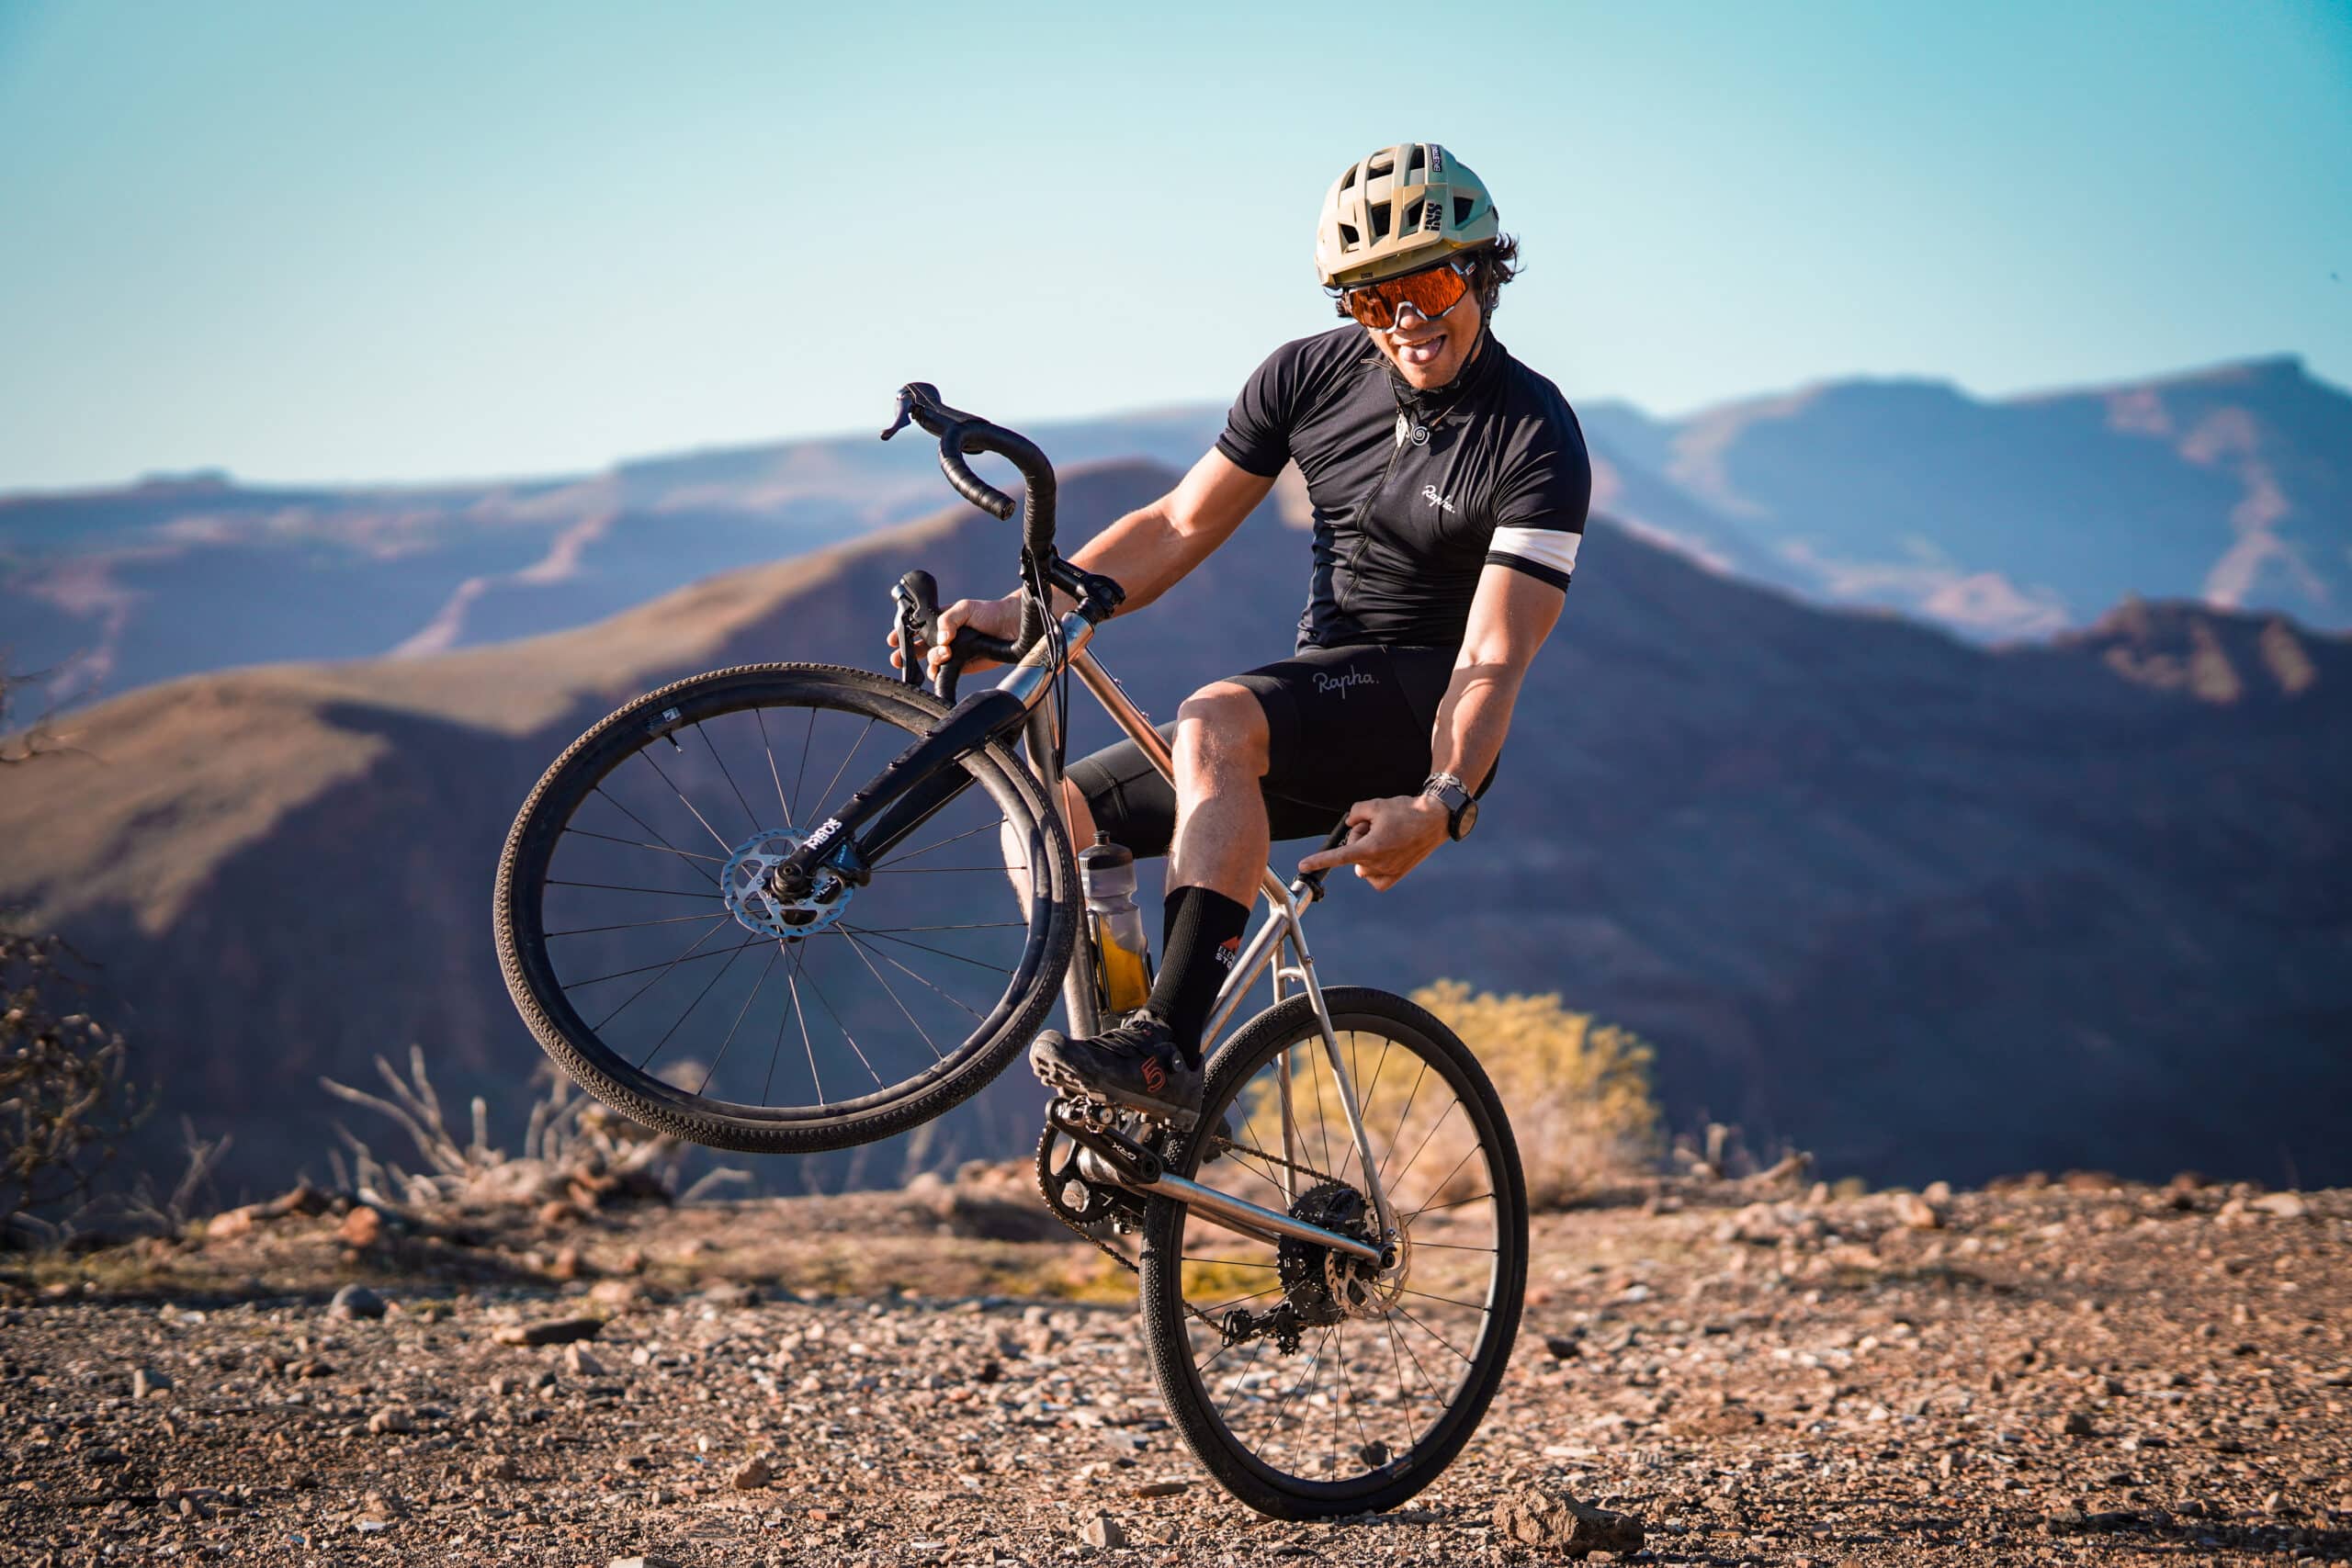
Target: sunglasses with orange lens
[{"x": 1432, "y": 291}]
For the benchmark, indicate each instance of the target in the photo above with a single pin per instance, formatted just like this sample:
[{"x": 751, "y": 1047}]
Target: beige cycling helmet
[{"x": 1400, "y": 208}]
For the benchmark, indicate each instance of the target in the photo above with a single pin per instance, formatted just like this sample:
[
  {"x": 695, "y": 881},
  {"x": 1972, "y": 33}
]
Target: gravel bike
[{"x": 714, "y": 939}]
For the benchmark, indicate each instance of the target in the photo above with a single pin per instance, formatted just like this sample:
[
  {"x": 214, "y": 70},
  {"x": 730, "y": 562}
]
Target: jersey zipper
[{"x": 1363, "y": 532}]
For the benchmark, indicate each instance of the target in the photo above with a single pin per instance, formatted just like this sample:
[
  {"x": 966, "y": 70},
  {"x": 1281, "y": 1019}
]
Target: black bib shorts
[{"x": 1343, "y": 724}]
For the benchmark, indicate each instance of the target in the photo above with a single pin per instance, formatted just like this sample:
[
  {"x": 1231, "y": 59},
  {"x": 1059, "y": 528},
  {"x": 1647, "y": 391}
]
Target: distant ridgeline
[
  {"x": 1927, "y": 908},
  {"x": 2000, "y": 521}
]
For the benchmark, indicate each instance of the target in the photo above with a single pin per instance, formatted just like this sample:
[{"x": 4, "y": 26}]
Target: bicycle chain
[{"x": 1062, "y": 1212}]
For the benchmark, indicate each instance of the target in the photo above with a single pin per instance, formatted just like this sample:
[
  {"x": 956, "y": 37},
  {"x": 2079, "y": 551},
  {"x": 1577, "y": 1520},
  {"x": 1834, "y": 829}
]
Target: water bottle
[{"x": 1122, "y": 952}]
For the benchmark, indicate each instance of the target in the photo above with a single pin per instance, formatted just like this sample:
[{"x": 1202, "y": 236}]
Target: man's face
[{"x": 1431, "y": 353}]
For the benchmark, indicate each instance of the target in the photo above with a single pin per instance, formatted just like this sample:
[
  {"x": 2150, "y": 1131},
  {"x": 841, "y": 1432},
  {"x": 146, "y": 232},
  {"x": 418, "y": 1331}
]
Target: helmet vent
[
  {"x": 1461, "y": 206},
  {"x": 1348, "y": 180},
  {"x": 1348, "y": 237},
  {"x": 1378, "y": 211},
  {"x": 1416, "y": 163}
]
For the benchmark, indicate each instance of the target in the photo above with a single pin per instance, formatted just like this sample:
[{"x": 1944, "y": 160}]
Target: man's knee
[{"x": 1221, "y": 730}]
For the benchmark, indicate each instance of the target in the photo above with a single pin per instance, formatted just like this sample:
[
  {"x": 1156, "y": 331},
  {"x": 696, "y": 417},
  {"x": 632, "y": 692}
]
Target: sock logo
[{"x": 1227, "y": 951}]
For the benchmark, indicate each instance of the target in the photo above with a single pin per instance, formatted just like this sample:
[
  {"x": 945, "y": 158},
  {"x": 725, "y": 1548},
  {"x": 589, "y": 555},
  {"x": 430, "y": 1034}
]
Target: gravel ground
[{"x": 2069, "y": 1373}]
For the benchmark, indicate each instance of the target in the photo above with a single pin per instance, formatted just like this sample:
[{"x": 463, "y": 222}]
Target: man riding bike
[{"x": 1450, "y": 484}]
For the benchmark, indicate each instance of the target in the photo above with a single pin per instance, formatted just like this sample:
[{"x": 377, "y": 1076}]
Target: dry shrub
[
  {"x": 65, "y": 1106},
  {"x": 1577, "y": 1091}
]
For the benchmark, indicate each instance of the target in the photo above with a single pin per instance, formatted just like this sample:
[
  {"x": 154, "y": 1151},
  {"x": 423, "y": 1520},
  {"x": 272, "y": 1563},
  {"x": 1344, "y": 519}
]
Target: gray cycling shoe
[{"x": 1136, "y": 1064}]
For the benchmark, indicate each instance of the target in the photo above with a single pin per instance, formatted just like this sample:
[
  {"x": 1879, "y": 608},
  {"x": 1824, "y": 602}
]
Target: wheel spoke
[
  {"x": 894, "y": 860},
  {"x": 647, "y": 752},
  {"x": 891, "y": 991},
  {"x": 640, "y": 844},
  {"x": 705, "y": 990},
  {"x": 740, "y": 1013},
  {"x": 623, "y": 887},
  {"x": 761, "y": 715},
  {"x": 792, "y": 978},
  {"x": 623, "y": 926},
  {"x": 911, "y": 973},
  {"x": 749, "y": 814},
  {"x": 674, "y": 962},
  {"x": 827, "y": 793},
  {"x": 840, "y": 1025},
  {"x": 848, "y": 930},
  {"x": 598, "y": 1027}
]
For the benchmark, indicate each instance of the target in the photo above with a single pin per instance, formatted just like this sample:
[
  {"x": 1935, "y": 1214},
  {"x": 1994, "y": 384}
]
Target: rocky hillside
[{"x": 1924, "y": 910}]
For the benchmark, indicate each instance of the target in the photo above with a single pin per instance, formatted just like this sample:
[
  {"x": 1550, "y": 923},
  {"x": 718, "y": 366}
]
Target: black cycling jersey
[{"x": 1414, "y": 493}]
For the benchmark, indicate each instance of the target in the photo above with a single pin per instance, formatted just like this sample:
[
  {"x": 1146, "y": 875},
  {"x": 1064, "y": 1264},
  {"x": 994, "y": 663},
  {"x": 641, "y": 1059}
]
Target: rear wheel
[
  {"x": 642, "y": 944},
  {"x": 1309, "y": 1385}
]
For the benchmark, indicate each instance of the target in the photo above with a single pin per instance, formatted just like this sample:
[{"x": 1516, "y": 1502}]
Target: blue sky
[{"x": 403, "y": 241}]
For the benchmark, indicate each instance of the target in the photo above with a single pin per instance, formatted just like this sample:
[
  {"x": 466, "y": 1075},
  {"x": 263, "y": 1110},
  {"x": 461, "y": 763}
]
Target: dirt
[{"x": 2063, "y": 1375}]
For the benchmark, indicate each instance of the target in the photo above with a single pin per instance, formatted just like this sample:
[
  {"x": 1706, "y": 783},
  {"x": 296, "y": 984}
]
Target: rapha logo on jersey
[
  {"x": 1429, "y": 494},
  {"x": 1327, "y": 681}
]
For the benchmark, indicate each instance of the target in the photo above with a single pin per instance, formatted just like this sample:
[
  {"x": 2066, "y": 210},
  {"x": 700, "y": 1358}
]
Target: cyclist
[{"x": 1450, "y": 484}]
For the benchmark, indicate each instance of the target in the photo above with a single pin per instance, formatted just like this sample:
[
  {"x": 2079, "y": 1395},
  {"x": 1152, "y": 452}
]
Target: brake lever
[{"x": 906, "y": 413}]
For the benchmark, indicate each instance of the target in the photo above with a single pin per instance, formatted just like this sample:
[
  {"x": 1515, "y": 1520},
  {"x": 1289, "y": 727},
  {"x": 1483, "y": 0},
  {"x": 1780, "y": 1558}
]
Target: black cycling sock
[{"x": 1202, "y": 939}]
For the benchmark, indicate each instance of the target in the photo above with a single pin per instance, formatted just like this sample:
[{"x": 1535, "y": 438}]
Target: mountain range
[
  {"x": 2001, "y": 520},
  {"x": 1924, "y": 908}
]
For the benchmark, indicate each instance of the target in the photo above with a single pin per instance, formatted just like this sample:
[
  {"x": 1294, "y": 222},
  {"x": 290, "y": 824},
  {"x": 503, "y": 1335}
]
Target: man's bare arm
[
  {"x": 1150, "y": 549},
  {"x": 1511, "y": 616}
]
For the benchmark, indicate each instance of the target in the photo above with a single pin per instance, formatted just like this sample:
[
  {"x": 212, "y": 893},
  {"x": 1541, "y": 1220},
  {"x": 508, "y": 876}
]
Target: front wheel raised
[
  {"x": 645, "y": 949},
  {"x": 1309, "y": 1385}
]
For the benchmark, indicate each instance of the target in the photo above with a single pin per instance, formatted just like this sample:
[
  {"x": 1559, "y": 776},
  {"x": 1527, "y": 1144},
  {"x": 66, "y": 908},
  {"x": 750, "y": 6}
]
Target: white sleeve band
[{"x": 1545, "y": 546}]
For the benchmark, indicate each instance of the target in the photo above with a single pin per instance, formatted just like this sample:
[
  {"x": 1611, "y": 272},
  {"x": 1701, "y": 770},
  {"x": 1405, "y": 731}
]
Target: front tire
[{"x": 882, "y": 1012}]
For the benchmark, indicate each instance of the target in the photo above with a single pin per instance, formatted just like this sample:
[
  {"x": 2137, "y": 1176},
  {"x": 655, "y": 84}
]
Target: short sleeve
[
  {"x": 1540, "y": 512},
  {"x": 1258, "y": 426}
]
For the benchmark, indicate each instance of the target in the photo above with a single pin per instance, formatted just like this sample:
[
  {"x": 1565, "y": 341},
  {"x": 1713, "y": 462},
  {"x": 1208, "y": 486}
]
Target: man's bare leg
[{"x": 1221, "y": 833}]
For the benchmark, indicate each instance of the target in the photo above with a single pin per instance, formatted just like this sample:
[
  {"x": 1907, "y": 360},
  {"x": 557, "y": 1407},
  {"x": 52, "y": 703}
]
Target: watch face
[{"x": 1466, "y": 819}]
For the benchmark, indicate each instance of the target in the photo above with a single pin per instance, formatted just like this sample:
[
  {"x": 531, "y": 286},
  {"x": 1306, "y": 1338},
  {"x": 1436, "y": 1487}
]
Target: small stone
[
  {"x": 355, "y": 1300},
  {"x": 228, "y": 1226},
  {"x": 1556, "y": 1522},
  {"x": 554, "y": 1211},
  {"x": 751, "y": 1475},
  {"x": 551, "y": 1331},
  {"x": 1163, "y": 1488},
  {"x": 371, "y": 1526},
  {"x": 581, "y": 1363},
  {"x": 567, "y": 1264},
  {"x": 1562, "y": 1348},
  {"x": 144, "y": 1381},
  {"x": 648, "y": 1560},
  {"x": 2282, "y": 1205},
  {"x": 616, "y": 1292},
  {"x": 2077, "y": 1424},
  {"x": 361, "y": 1228},
  {"x": 1937, "y": 1192},
  {"x": 729, "y": 1294},
  {"x": 392, "y": 1419},
  {"x": 1919, "y": 1214},
  {"x": 503, "y": 1468},
  {"x": 1102, "y": 1533}
]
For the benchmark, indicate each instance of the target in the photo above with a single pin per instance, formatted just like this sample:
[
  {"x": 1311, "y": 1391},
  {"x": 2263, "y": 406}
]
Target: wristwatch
[{"x": 1461, "y": 806}]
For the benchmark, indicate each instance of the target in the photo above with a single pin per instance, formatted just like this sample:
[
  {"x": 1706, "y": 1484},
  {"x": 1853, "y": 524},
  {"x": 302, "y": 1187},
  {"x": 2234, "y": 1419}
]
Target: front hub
[{"x": 751, "y": 898}]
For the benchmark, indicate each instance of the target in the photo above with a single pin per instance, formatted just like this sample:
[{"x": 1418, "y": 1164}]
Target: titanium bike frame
[{"x": 1283, "y": 929}]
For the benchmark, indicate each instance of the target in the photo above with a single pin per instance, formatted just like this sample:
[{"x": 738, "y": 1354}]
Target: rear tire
[
  {"x": 561, "y": 818},
  {"x": 1444, "y": 1375}
]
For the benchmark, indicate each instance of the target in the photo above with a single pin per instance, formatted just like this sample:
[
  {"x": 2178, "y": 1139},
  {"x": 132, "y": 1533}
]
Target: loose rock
[
  {"x": 753, "y": 1474},
  {"x": 355, "y": 1300},
  {"x": 551, "y": 1331},
  {"x": 1104, "y": 1532},
  {"x": 1558, "y": 1522}
]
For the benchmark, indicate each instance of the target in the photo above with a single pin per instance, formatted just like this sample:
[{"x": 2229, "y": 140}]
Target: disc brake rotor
[{"x": 744, "y": 885}]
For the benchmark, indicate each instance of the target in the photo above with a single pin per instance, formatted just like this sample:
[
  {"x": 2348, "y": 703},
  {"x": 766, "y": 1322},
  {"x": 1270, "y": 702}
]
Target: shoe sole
[{"x": 1061, "y": 1080}]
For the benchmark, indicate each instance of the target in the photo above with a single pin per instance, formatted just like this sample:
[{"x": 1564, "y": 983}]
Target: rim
[
  {"x": 632, "y": 919},
  {"x": 1375, "y": 1387}
]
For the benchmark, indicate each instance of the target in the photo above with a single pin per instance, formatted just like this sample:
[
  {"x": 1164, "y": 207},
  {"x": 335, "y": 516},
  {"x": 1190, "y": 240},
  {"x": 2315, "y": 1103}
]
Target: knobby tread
[
  {"x": 1286, "y": 1025},
  {"x": 876, "y": 696}
]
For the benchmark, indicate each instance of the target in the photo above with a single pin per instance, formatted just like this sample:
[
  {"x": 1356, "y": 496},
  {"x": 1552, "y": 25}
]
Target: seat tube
[{"x": 1077, "y": 980}]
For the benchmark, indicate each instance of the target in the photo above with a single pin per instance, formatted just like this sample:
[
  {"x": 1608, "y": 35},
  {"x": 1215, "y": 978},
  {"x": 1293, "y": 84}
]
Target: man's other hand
[{"x": 1388, "y": 839}]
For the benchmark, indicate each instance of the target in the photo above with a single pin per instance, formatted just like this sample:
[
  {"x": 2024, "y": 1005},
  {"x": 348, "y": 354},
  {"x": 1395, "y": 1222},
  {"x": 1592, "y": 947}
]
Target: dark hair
[{"x": 1491, "y": 265}]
